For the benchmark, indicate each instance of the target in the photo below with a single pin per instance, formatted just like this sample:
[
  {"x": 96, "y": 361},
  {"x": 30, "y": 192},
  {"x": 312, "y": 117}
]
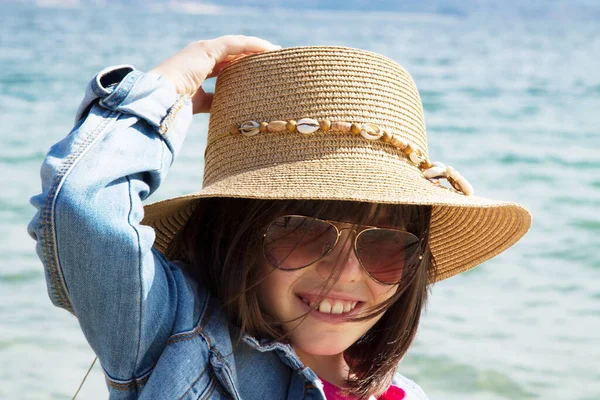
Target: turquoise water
[{"x": 512, "y": 103}]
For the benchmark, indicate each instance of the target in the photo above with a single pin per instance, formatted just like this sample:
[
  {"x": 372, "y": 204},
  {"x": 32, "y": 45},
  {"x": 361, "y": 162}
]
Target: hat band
[{"x": 433, "y": 171}]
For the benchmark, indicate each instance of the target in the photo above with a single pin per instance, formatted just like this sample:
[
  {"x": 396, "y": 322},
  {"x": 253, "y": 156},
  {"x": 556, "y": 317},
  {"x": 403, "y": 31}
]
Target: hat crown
[
  {"x": 318, "y": 82},
  {"x": 312, "y": 160}
]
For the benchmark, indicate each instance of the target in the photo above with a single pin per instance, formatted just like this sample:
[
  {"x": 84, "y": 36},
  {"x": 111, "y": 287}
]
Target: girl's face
[{"x": 284, "y": 295}]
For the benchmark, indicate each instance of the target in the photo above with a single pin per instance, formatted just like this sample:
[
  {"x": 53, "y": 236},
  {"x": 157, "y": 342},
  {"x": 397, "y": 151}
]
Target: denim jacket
[{"x": 158, "y": 334}]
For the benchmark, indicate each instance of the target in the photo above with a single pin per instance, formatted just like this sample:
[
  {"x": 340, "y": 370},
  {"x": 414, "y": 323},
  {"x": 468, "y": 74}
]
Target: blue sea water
[{"x": 513, "y": 102}]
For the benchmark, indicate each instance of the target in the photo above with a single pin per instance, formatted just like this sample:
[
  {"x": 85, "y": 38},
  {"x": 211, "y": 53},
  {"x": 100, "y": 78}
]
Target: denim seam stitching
[
  {"x": 135, "y": 382},
  {"x": 139, "y": 250},
  {"x": 121, "y": 94},
  {"x": 219, "y": 356},
  {"x": 168, "y": 121},
  {"x": 126, "y": 386},
  {"x": 219, "y": 389},
  {"x": 198, "y": 331},
  {"x": 210, "y": 390},
  {"x": 50, "y": 247},
  {"x": 184, "y": 336},
  {"x": 194, "y": 332},
  {"x": 228, "y": 373}
]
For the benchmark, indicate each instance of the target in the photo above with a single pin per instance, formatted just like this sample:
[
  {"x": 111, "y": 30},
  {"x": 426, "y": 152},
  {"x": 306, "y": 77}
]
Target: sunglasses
[{"x": 293, "y": 242}]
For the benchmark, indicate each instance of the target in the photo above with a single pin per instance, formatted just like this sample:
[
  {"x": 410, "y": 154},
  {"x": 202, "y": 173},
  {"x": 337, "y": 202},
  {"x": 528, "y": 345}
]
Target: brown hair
[{"x": 222, "y": 242}]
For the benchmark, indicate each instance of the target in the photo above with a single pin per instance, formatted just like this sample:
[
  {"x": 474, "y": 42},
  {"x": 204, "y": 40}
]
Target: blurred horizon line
[{"x": 558, "y": 9}]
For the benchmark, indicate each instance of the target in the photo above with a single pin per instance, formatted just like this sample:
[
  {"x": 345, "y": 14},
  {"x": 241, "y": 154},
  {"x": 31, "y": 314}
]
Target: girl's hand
[{"x": 204, "y": 59}]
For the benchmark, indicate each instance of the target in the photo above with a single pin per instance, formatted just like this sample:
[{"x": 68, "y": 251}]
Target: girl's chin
[
  {"x": 324, "y": 339},
  {"x": 321, "y": 346}
]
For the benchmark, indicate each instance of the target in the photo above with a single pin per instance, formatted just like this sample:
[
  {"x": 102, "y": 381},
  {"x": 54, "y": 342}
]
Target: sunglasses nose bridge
[
  {"x": 345, "y": 229},
  {"x": 344, "y": 244},
  {"x": 339, "y": 237}
]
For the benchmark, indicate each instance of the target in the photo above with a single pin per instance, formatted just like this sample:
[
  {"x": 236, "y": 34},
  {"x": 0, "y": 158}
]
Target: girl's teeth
[
  {"x": 325, "y": 306},
  {"x": 332, "y": 306},
  {"x": 337, "y": 308}
]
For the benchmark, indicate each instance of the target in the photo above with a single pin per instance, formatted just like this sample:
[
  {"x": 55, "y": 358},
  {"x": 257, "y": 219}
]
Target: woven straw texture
[{"x": 339, "y": 84}]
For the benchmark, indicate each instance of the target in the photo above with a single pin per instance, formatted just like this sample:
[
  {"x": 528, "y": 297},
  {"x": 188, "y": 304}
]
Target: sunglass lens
[
  {"x": 293, "y": 242},
  {"x": 384, "y": 252}
]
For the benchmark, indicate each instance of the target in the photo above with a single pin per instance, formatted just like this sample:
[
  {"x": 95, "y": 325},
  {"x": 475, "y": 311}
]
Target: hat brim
[{"x": 465, "y": 230}]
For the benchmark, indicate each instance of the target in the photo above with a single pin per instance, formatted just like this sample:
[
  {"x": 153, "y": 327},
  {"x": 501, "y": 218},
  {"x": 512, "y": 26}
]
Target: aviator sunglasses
[{"x": 293, "y": 242}]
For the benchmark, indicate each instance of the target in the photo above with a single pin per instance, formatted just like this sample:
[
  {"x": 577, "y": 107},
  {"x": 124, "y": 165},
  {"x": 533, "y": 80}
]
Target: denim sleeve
[{"x": 98, "y": 259}]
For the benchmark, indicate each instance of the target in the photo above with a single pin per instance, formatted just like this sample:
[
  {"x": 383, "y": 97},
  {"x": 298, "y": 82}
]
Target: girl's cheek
[
  {"x": 275, "y": 288},
  {"x": 383, "y": 292}
]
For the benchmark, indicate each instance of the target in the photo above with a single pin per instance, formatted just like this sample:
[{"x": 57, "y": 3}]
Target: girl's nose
[{"x": 342, "y": 260}]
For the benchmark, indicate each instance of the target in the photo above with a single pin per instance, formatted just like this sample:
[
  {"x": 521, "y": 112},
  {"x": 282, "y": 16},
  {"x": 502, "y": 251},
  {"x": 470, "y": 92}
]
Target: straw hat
[{"x": 337, "y": 123}]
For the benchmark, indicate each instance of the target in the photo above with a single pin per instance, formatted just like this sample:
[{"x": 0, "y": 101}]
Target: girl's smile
[{"x": 331, "y": 309}]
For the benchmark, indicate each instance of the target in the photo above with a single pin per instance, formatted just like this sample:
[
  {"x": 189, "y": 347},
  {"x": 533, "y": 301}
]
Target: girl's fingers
[
  {"x": 206, "y": 58},
  {"x": 201, "y": 101},
  {"x": 221, "y": 48},
  {"x": 218, "y": 67}
]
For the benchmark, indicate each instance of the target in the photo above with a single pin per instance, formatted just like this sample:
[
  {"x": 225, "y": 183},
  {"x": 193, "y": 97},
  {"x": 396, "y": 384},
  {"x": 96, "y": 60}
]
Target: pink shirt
[{"x": 333, "y": 393}]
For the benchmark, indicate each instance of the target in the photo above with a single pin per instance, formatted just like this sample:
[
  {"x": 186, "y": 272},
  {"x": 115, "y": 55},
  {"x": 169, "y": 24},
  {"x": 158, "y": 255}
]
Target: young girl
[{"x": 300, "y": 269}]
